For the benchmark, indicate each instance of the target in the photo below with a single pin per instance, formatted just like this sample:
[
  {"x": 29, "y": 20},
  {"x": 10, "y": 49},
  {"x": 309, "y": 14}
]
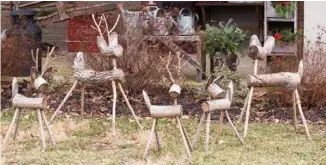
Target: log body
[
  {"x": 91, "y": 76},
  {"x": 21, "y": 101},
  {"x": 161, "y": 111},
  {"x": 282, "y": 79},
  {"x": 214, "y": 105}
]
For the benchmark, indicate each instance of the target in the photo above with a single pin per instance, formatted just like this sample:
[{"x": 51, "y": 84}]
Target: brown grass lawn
[{"x": 90, "y": 141}]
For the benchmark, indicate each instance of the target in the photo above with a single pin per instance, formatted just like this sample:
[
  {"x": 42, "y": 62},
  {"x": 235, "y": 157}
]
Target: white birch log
[
  {"x": 165, "y": 111},
  {"x": 282, "y": 79},
  {"x": 175, "y": 90},
  {"x": 14, "y": 87},
  {"x": 214, "y": 90},
  {"x": 214, "y": 105},
  {"x": 113, "y": 49},
  {"x": 21, "y": 101},
  {"x": 79, "y": 62},
  {"x": 91, "y": 76},
  {"x": 40, "y": 84},
  {"x": 257, "y": 51}
]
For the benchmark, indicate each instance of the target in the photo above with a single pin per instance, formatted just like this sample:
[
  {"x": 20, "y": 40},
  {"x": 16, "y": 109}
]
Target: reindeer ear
[
  {"x": 210, "y": 80},
  {"x": 33, "y": 74},
  {"x": 180, "y": 80},
  {"x": 47, "y": 73},
  {"x": 167, "y": 81}
]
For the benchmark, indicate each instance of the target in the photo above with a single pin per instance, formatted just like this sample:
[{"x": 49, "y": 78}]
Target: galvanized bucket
[
  {"x": 160, "y": 26},
  {"x": 187, "y": 22}
]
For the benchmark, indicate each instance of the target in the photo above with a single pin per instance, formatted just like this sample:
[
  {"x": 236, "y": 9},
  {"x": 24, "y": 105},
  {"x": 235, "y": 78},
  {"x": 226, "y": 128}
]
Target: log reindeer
[
  {"x": 19, "y": 101},
  {"x": 213, "y": 105},
  {"x": 110, "y": 49},
  {"x": 168, "y": 111},
  {"x": 287, "y": 80}
]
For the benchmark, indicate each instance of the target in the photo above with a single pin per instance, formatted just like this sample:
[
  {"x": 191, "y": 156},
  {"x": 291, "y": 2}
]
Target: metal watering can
[
  {"x": 160, "y": 25},
  {"x": 187, "y": 23}
]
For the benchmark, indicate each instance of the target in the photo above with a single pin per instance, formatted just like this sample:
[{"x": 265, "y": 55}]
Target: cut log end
[
  {"x": 214, "y": 105},
  {"x": 161, "y": 111}
]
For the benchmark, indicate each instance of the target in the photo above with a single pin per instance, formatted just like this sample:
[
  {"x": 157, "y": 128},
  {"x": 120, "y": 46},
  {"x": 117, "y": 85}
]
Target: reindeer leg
[
  {"x": 194, "y": 142},
  {"x": 39, "y": 116},
  {"x": 157, "y": 138},
  {"x": 114, "y": 106},
  {"x": 127, "y": 101},
  {"x": 219, "y": 127},
  {"x": 47, "y": 127},
  {"x": 184, "y": 138},
  {"x": 207, "y": 131},
  {"x": 233, "y": 127},
  {"x": 150, "y": 139},
  {"x": 64, "y": 101},
  {"x": 184, "y": 132},
  {"x": 17, "y": 124},
  {"x": 10, "y": 127},
  {"x": 294, "y": 108},
  {"x": 243, "y": 109},
  {"x": 82, "y": 100},
  {"x": 248, "y": 112},
  {"x": 301, "y": 114}
]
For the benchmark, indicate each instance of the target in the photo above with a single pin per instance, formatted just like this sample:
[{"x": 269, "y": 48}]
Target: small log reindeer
[
  {"x": 168, "y": 111},
  {"x": 215, "y": 105},
  {"x": 40, "y": 83},
  {"x": 282, "y": 79},
  {"x": 116, "y": 76}
]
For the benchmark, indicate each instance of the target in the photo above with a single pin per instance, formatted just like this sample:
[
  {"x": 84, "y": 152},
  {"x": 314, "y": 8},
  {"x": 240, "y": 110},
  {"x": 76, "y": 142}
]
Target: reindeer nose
[{"x": 175, "y": 90}]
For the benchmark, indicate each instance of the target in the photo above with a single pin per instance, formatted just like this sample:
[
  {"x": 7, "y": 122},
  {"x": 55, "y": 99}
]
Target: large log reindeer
[
  {"x": 168, "y": 111},
  {"x": 216, "y": 105},
  {"x": 19, "y": 101},
  {"x": 111, "y": 50},
  {"x": 287, "y": 80}
]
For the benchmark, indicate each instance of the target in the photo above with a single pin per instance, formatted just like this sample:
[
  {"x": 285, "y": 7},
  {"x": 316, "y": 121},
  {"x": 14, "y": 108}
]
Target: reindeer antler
[
  {"x": 167, "y": 66},
  {"x": 48, "y": 59},
  {"x": 98, "y": 25}
]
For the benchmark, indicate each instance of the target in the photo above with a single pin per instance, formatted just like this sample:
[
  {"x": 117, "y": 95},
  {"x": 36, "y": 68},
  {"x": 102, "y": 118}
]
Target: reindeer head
[
  {"x": 111, "y": 47},
  {"x": 175, "y": 84},
  {"x": 212, "y": 86},
  {"x": 40, "y": 81}
]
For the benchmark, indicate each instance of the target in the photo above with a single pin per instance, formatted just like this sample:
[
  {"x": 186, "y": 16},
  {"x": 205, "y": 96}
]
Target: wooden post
[
  {"x": 17, "y": 123},
  {"x": 243, "y": 109},
  {"x": 233, "y": 127},
  {"x": 219, "y": 127},
  {"x": 82, "y": 100},
  {"x": 10, "y": 127},
  {"x": 194, "y": 142},
  {"x": 150, "y": 139},
  {"x": 207, "y": 130},
  {"x": 184, "y": 138},
  {"x": 294, "y": 108},
  {"x": 301, "y": 113},
  {"x": 64, "y": 101},
  {"x": 39, "y": 116},
  {"x": 127, "y": 101},
  {"x": 47, "y": 127},
  {"x": 114, "y": 106}
]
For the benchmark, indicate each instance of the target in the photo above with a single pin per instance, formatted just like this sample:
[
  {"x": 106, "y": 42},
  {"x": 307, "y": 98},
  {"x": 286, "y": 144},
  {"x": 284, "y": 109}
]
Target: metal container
[
  {"x": 160, "y": 26},
  {"x": 187, "y": 22}
]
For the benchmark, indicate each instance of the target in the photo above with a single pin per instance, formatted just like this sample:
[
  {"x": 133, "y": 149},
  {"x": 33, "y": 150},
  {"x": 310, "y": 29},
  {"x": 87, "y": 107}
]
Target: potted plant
[
  {"x": 284, "y": 8},
  {"x": 285, "y": 37},
  {"x": 225, "y": 39}
]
